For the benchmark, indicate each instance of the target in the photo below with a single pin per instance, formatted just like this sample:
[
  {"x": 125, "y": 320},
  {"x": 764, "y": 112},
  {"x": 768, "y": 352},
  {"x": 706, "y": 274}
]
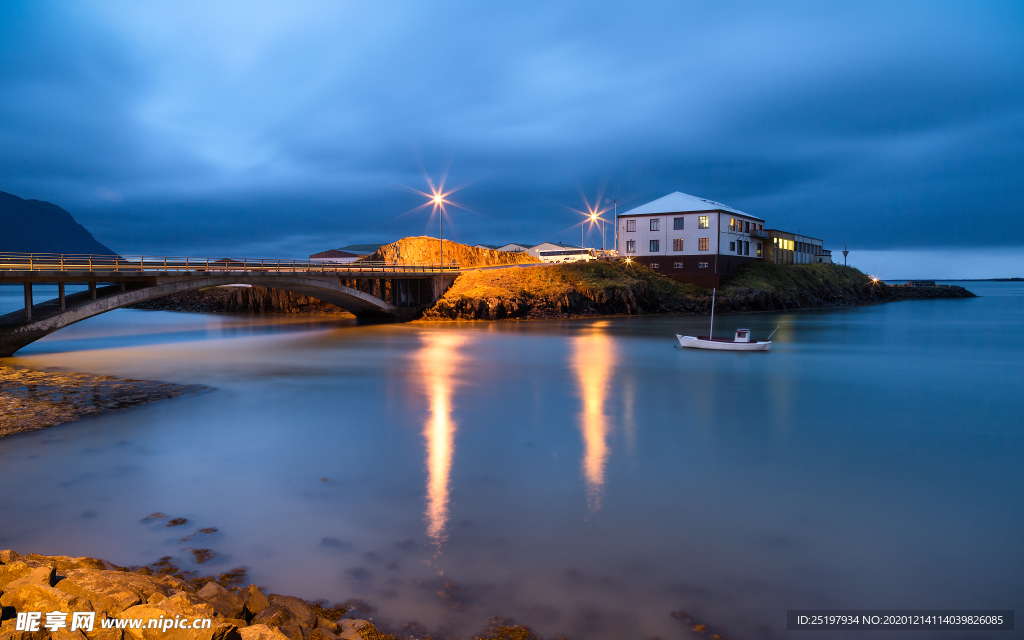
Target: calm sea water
[{"x": 583, "y": 477}]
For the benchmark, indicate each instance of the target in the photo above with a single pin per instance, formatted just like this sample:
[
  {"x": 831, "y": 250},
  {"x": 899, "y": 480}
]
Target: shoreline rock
[
  {"x": 61, "y": 584},
  {"x": 32, "y": 399}
]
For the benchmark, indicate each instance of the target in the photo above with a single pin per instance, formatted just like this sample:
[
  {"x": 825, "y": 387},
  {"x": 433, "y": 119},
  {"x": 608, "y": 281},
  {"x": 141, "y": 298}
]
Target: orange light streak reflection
[
  {"x": 439, "y": 362},
  {"x": 593, "y": 359}
]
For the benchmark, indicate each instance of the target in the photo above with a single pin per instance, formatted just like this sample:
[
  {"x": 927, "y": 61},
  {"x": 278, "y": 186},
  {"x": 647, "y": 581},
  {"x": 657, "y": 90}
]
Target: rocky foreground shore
[{"x": 161, "y": 592}]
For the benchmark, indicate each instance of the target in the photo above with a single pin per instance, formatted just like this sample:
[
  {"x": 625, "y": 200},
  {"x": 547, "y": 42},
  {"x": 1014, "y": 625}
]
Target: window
[
  {"x": 703, "y": 244},
  {"x": 760, "y": 227},
  {"x": 746, "y": 227},
  {"x": 677, "y": 224},
  {"x": 758, "y": 249},
  {"x": 677, "y": 244},
  {"x": 732, "y": 224},
  {"x": 677, "y": 265},
  {"x": 704, "y": 222},
  {"x": 702, "y": 265},
  {"x": 739, "y": 247},
  {"x": 654, "y": 246},
  {"x": 654, "y": 223},
  {"x": 630, "y": 225},
  {"x": 746, "y": 248},
  {"x": 654, "y": 265},
  {"x": 630, "y": 246},
  {"x": 732, "y": 246}
]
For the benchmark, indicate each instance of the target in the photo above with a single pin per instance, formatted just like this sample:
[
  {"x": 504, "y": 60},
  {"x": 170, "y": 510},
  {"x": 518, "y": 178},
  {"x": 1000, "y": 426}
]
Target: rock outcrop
[{"x": 424, "y": 249}]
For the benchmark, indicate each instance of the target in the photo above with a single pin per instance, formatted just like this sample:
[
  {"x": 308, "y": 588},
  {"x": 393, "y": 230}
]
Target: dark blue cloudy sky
[{"x": 282, "y": 128}]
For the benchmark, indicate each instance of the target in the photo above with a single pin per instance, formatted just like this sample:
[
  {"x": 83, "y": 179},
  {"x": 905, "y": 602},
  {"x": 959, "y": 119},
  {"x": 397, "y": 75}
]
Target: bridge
[{"x": 397, "y": 291}]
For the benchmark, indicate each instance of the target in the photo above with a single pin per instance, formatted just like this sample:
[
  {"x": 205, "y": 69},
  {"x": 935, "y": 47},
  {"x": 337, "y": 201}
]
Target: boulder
[
  {"x": 9, "y": 572},
  {"x": 7, "y": 556},
  {"x": 64, "y": 634},
  {"x": 299, "y": 608},
  {"x": 224, "y": 602},
  {"x": 253, "y": 599},
  {"x": 274, "y": 616},
  {"x": 261, "y": 632},
  {"x": 107, "y": 595},
  {"x": 277, "y": 615},
  {"x": 36, "y": 597},
  {"x": 46, "y": 576},
  {"x": 348, "y": 629}
]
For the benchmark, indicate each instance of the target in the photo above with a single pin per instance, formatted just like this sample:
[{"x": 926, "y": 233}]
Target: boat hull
[{"x": 722, "y": 345}]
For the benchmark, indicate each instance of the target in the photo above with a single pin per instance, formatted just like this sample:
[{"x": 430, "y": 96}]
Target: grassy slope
[{"x": 773, "y": 278}]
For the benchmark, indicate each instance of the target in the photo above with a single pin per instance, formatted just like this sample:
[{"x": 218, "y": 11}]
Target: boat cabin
[{"x": 742, "y": 335}]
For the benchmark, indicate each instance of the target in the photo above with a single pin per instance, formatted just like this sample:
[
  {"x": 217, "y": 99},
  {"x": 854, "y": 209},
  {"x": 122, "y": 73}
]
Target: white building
[{"x": 690, "y": 239}]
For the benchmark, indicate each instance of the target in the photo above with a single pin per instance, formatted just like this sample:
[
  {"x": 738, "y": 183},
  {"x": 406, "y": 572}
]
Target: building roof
[
  {"x": 557, "y": 244},
  {"x": 678, "y": 202},
  {"x": 333, "y": 253},
  {"x": 361, "y": 249}
]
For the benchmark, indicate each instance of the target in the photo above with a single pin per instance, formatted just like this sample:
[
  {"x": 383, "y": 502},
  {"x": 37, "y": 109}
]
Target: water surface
[{"x": 583, "y": 477}]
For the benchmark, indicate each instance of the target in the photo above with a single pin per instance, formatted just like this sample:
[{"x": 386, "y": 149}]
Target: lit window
[
  {"x": 677, "y": 244},
  {"x": 704, "y": 222},
  {"x": 630, "y": 225},
  {"x": 732, "y": 246},
  {"x": 758, "y": 249},
  {"x": 677, "y": 224},
  {"x": 677, "y": 265},
  {"x": 732, "y": 224},
  {"x": 654, "y": 246},
  {"x": 702, "y": 265},
  {"x": 654, "y": 223},
  {"x": 630, "y": 246},
  {"x": 703, "y": 244}
]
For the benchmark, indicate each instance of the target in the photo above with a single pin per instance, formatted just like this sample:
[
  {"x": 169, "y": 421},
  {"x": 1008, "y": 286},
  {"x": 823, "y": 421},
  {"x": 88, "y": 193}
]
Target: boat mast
[{"x": 711, "y": 333}]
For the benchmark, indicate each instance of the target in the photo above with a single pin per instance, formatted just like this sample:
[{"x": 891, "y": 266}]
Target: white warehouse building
[{"x": 690, "y": 239}]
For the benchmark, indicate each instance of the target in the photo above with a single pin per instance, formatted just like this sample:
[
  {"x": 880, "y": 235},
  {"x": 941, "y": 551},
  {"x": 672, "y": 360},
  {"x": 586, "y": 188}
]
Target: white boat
[{"x": 741, "y": 342}]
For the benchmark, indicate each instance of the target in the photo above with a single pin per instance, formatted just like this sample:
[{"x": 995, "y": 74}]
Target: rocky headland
[{"x": 601, "y": 288}]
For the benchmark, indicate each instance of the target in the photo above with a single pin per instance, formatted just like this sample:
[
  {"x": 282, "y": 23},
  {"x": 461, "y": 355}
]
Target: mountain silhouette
[{"x": 34, "y": 226}]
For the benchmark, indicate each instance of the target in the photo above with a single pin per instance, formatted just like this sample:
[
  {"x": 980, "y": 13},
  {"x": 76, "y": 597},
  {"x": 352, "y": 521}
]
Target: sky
[{"x": 271, "y": 129}]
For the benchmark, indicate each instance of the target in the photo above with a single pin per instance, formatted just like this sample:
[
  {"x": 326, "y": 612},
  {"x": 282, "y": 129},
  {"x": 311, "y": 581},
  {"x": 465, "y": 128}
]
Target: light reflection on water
[
  {"x": 439, "y": 361},
  {"x": 583, "y": 477},
  {"x": 593, "y": 360}
]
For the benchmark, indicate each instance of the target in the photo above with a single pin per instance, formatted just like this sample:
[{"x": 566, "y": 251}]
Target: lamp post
[{"x": 438, "y": 201}]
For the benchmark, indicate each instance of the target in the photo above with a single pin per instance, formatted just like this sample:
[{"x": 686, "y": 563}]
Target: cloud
[{"x": 885, "y": 125}]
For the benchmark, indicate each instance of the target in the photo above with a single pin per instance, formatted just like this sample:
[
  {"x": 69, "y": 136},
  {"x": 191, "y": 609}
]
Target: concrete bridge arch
[{"x": 18, "y": 329}]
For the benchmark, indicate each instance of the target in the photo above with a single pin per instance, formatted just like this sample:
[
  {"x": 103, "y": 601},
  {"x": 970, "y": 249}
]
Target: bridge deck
[{"x": 38, "y": 267}]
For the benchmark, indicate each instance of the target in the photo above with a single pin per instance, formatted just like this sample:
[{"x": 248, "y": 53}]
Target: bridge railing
[{"x": 137, "y": 264}]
